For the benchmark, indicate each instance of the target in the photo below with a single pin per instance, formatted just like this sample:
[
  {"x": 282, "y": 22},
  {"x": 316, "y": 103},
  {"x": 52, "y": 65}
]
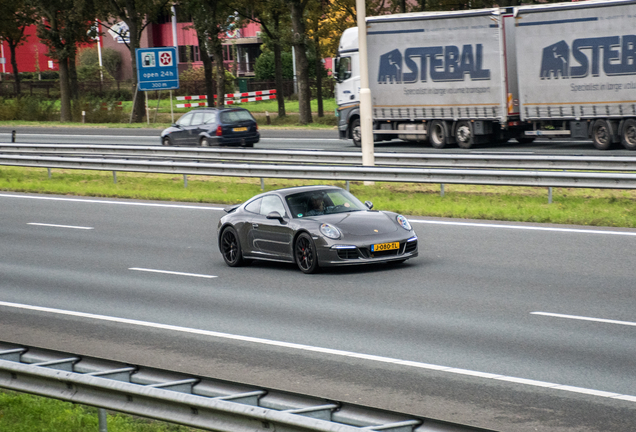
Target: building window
[{"x": 189, "y": 53}]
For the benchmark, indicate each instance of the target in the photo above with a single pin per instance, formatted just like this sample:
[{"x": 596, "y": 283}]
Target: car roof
[
  {"x": 218, "y": 109},
  {"x": 294, "y": 190}
]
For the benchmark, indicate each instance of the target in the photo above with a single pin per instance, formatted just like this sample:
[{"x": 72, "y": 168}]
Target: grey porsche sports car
[{"x": 313, "y": 226}]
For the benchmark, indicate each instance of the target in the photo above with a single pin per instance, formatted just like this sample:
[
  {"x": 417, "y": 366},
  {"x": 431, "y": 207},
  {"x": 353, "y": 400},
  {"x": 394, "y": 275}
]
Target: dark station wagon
[{"x": 213, "y": 127}]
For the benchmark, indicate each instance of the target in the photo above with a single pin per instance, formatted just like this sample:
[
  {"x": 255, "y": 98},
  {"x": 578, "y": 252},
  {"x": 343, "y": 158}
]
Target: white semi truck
[{"x": 562, "y": 70}]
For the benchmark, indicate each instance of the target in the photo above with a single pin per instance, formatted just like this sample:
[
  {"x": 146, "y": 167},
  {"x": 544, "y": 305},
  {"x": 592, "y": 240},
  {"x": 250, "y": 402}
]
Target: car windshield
[
  {"x": 235, "y": 116},
  {"x": 322, "y": 202}
]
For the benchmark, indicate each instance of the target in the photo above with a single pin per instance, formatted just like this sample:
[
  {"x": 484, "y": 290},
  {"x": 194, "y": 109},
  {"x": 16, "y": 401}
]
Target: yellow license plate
[
  {"x": 243, "y": 129},
  {"x": 385, "y": 246}
]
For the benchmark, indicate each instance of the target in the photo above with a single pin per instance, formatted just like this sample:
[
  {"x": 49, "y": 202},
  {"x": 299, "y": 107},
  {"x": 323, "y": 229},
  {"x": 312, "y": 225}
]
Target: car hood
[{"x": 361, "y": 223}]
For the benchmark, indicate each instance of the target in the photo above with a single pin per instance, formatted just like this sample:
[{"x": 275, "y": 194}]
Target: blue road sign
[{"x": 157, "y": 69}]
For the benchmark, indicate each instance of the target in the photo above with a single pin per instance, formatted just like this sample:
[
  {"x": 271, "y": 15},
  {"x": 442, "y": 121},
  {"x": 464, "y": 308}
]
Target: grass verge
[
  {"x": 21, "y": 412},
  {"x": 594, "y": 207}
]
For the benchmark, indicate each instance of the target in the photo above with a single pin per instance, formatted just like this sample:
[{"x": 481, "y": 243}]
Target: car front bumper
[{"x": 342, "y": 255}]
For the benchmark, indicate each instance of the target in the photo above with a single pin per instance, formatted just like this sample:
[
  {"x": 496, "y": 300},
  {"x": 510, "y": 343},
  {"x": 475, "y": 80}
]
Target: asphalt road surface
[
  {"x": 505, "y": 326},
  {"x": 295, "y": 140}
]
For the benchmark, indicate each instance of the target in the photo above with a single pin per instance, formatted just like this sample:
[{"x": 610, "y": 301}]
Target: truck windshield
[{"x": 343, "y": 68}]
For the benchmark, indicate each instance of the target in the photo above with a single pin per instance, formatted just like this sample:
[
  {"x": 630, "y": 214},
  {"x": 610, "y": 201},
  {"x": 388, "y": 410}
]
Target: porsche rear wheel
[
  {"x": 305, "y": 254},
  {"x": 231, "y": 247}
]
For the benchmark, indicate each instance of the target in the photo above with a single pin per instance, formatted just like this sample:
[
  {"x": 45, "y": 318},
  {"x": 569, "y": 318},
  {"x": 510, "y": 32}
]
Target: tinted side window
[
  {"x": 197, "y": 119},
  {"x": 209, "y": 117},
  {"x": 254, "y": 206},
  {"x": 185, "y": 120},
  {"x": 272, "y": 203},
  {"x": 235, "y": 116}
]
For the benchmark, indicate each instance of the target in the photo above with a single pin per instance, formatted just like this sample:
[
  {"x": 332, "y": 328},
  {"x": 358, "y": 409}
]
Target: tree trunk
[
  {"x": 278, "y": 65},
  {"x": 65, "y": 91},
  {"x": 72, "y": 75},
  {"x": 207, "y": 69},
  {"x": 140, "y": 103},
  {"x": 217, "y": 52},
  {"x": 319, "y": 68},
  {"x": 302, "y": 64},
  {"x": 14, "y": 65},
  {"x": 278, "y": 71}
]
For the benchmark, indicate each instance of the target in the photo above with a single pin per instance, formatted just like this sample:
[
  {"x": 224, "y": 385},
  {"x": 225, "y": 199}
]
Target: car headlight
[
  {"x": 404, "y": 223},
  {"x": 330, "y": 231}
]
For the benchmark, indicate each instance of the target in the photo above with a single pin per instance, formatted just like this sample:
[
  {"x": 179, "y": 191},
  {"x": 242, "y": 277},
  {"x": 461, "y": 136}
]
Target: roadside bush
[
  {"x": 28, "y": 108},
  {"x": 111, "y": 60},
  {"x": 98, "y": 110},
  {"x": 197, "y": 75}
]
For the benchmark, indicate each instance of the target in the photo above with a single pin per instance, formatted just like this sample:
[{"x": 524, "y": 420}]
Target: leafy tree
[
  {"x": 274, "y": 18},
  {"x": 300, "y": 44},
  {"x": 111, "y": 59},
  {"x": 265, "y": 66},
  {"x": 63, "y": 25},
  {"x": 15, "y": 16},
  {"x": 211, "y": 19},
  {"x": 137, "y": 14}
]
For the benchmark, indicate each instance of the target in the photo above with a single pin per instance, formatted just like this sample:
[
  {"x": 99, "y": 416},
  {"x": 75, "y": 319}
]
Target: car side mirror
[
  {"x": 176, "y": 125},
  {"x": 369, "y": 204},
  {"x": 275, "y": 215}
]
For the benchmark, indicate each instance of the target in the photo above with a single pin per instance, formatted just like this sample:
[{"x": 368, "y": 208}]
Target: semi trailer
[{"x": 561, "y": 70}]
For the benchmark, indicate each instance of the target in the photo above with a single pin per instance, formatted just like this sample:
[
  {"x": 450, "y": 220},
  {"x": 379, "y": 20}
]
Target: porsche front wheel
[{"x": 305, "y": 254}]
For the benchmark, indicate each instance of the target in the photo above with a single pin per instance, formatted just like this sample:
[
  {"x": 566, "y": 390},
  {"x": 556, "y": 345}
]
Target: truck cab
[{"x": 348, "y": 86}]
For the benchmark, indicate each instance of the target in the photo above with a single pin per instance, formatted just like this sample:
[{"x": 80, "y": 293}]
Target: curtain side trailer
[{"x": 565, "y": 70}]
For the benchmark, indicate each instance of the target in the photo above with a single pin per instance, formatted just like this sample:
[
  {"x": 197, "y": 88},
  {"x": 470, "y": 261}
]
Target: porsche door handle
[{"x": 254, "y": 225}]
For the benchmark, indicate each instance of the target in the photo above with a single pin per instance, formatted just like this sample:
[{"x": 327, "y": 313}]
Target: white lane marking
[
  {"x": 60, "y": 226},
  {"x": 582, "y": 318},
  {"x": 172, "y": 272},
  {"x": 523, "y": 227},
  {"x": 111, "y": 202},
  {"x": 329, "y": 351}
]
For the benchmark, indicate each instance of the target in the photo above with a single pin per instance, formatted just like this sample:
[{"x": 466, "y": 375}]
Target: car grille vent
[
  {"x": 347, "y": 254},
  {"x": 411, "y": 247}
]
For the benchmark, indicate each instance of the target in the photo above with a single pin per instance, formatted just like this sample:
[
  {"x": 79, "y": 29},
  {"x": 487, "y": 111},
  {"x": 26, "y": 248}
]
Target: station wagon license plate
[
  {"x": 385, "y": 246},
  {"x": 240, "y": 129}
]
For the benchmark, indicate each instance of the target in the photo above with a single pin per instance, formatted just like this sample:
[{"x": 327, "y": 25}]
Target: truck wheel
[
  {"x": 438, "y": 134},
  {"x": 628, "y": 139},
  {"x": 356, "y": 133},
  {"x": 464, "y": 134},
  {"x": 601, "y": 134}
]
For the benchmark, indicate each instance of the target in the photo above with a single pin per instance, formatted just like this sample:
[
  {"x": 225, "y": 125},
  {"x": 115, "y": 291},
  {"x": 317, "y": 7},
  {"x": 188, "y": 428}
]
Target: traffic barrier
[{"x": 231, "y": 98}]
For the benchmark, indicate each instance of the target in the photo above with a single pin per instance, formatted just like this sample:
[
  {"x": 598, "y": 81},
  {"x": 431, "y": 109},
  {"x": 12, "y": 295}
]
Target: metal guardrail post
[{"x": 103, "y": 420}]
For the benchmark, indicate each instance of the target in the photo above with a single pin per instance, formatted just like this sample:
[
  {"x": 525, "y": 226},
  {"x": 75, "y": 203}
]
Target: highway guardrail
[{"x": 193, "y": 401}]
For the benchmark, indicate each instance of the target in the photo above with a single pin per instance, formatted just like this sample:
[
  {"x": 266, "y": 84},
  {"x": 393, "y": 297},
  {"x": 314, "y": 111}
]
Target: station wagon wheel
[
  {"x": 231, "y": 247},
  {"x": 166, "y": 141},
  {"x": 204, "y": 142},
  {"x": 305, "y": 254}
]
